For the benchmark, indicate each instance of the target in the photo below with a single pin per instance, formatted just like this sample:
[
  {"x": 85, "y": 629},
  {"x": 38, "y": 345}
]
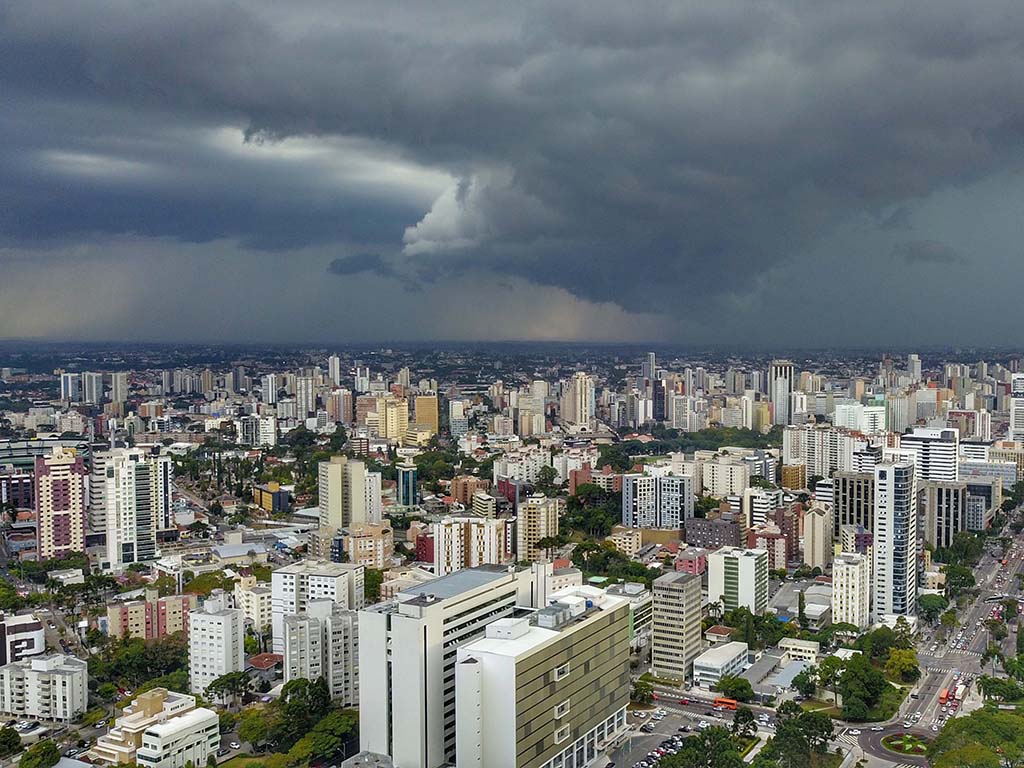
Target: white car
[
  {"x": 853, "y": 732},
  {"x": 703, "y": 724},
  {"x": 877, "y": 728}
]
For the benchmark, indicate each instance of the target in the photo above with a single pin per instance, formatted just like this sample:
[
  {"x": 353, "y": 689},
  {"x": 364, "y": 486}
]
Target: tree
[
  {"x": 10, "y": 742},
  {"x": 546, "y": 480},
  {"x": 743, "y": 722},
  {"x": 948, "y": 619},
  {"x": 326, "y": 739},
  {"x": 42, "y": 754},
  {"x": 802, "y": 610},
  {"x": 715, "y": 610},
  {"x": 902, "y": 664},
  {"x": 231, "y": 686},
  {"x": 861, "y": 685},
  {"x": 806, "y": 681},
  {"x": 930, "y": 607},
  {"x": 735, "y": 687},
  {"x": 829, "y": 671},
  {"x": 643, "y": 692},
  {"x": 372, "y": 579},
  {"x": 711, "y": 748}
]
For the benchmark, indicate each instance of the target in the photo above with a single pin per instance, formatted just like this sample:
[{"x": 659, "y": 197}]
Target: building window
[
  {"x": 562, "y": 734},
  {"x": 562, "y": 671},
  {"x": 562, "y": 709}
]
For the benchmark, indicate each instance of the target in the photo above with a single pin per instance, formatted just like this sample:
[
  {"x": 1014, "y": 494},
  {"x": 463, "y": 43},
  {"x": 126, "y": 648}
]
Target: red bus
[
  {"x": 943, "y": 696},
  {"x": 721, "y": 703}
]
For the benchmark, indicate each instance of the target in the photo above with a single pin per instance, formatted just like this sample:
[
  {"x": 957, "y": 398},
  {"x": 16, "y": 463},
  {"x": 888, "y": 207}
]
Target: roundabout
[{"x": 906, "y": 744}]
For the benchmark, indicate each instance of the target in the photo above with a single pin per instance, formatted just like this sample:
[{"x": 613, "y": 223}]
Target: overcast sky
[{"x": 764, "y": 172}]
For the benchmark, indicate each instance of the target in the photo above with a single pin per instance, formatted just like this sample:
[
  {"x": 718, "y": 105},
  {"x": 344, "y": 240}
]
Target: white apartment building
[
  {"x": 293, "y": 586},
  {"x": 822, "y": 449},
  {"x": 467, "y": 542},
  {"x": 675, "y": 624},
  {"x": 760, "y": 503},
  {"x": 934, "y": 452},
  {"x": 819, "y": 527},
  {"x": 564, "y": 671},
  {"x": 51, "y": 687},
  {"x": 1016, "y": 428},
  {"x": 894, "y": 563},
  {"x": 216, "y": 642},
  {"x": 190, "y": 738},
  {"x": 851, "y": 589},
  {"x": 407, "y": 659},
  {"x": 536, "y": 519},
  {"x": 324, "y": 642},
  {"x": 138, "y": 504},
  {"x": 724, "y": 476},
  {"x": 738, "y": 577},
  {"x": 656, "y": 501},
  {"x": 254, "y": 599}
]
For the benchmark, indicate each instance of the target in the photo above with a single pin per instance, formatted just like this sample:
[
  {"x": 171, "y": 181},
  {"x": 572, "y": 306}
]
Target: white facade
[
  {"x": 1016, "y": 428},
  {"x": 46, "y": 687},
  {"x": 738, "y": 577},
  {"x": 216, "y": 642},
  {"x": 467, "y": 542},
  {"x": 664, "y": 501},
  {"x": 188, "y": 738},
  {"x": 894, "y": 570},
  {"x": 721, "y": 660},
  {"x": 760, "y": 503},
  {"x": 293, "y": 586},
  {"x": 851, "y": 589},
  {"x": 324, "y": 642},
  {"x": 724, "y": 477},
  {"x": 675, "y": 624},
  {"x": 138, "y": 504},
  {"x": 253, "y": 598},
  {"x": 934, "y": 453},
  {"x": 819, "y": 526}
]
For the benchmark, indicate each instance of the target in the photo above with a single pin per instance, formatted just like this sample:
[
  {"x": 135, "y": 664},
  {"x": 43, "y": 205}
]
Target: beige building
[
  {"x": 61, "y": 499},
  {"x": 468, "y": 542},
  {"x": 537, "y": 519},
  {"x": 426, "y": 412},
  {"x": 851, "y": 589},
  {"x": 370, "y": 545},
  {"x": 120, "y": 743},
  {"x": 254, "y": 598},
  {"x": 627, "y": 541},
  {"x": 151, "y": 618},
  {"x": 393, "y": 418},
  {"x": 676, "y": 624},
  {"x": 818, "y": 530},
  {"x": 538, "y": 692}
]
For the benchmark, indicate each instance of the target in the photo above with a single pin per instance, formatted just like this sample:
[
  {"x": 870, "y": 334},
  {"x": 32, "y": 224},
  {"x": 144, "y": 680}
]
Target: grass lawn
[
  {"x": 827, "y": 707},
  {"x": 888, "y": 704},
  {"x": 745, "y": 744},
  {"x": 665, "y": 681},
  {"x": 828, "y": 760},
  {"x": 906, "y": 744}
]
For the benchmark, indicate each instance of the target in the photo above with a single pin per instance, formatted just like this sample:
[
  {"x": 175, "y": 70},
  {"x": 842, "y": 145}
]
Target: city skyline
[{"x": 687, "y": 174}]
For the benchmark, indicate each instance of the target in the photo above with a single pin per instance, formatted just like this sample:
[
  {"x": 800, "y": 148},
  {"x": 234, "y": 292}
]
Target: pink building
[{"x": 692, "y": 560}]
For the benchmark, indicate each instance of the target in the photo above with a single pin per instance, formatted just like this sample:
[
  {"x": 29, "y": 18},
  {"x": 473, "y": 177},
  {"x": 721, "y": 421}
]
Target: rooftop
[
  {"x": 265, "y": 661},
  {"x": 720, "y": 654},
  {"x": 459, "y": 582}
]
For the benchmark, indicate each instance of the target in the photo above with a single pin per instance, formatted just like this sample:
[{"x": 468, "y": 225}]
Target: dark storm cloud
[
  {"x": 361, "y": 262},
  {"x": 927, "y": 252},
  {"x": 645, "y": 156}
]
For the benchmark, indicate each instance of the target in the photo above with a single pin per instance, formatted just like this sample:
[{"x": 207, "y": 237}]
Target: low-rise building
[
  {"x": 801, "y": 650},
  {"x": 369, "y": 545},
  {"x": 188, "y": 739},
  {"x": 722, "y": 660},
  {"x": 120, "y": 743},
  {"x": 641, "y": 611},
  {"x": 51, "y": 687},
  {"x": 151, "y": 618}
]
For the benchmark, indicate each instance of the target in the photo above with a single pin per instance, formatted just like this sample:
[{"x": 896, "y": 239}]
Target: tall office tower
[
  {"x": 406, "y": 492},
  {"x": 239, "y": 379},
  {"x": 819, "y": 529},
  {"x": 580, "y": 657},
  {"x": 914, "y": 368},
  {"x": 649, "y": 367},
  {"x": 536, "y": 519},
  {"x": 362, "y": 379},
  {"x": 393, "y": 418},
  {"x": 1016, "y": 429},
  {"x": 170, "y": 382},
  {"x": 426, "y": 412},
  {"x": 407, "y": 659},
  {"x": 675, "y": 626},
  {"x": 780, "y": 386},
  {"x": 71, "y": 387},
  {"x": 119, "y": 386},
  {"x": 851, "y": 589},
  {"x": 216, "y": 642},
  {"x": 853, "y": 495},
  {"x": 944, "y": 508},
  {"x": 138, "y": 504},
  {"x": 324, "y": 642},
  {"x": 305, "y": 396},
  {"x": 935, "y": 453},
  {"x": 468, "y": 542},
  {"x": 341, "y": 484},
  {"x": 738, "y": 577},
  {"x": 61, "y": 498},
  {"x": 656, "y": 502},
  {"x": 271, "y": 383},
  {"x": 458, "y": 417},
  {"x": 578, "y": 404},
  {"x": 92, "y": 388},
  {"x": 334, "y": 370},
  {"x": 206, "y": 382},
  {"x": 293, "y": 586},
  {"x": 404, "y": 377},
  {"x": 895, "y": 539}
]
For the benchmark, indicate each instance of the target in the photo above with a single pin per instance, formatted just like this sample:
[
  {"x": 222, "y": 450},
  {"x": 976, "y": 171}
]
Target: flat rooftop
[
  {"x": 720, "y": 654},
  {"x": 459, "y": 582}
]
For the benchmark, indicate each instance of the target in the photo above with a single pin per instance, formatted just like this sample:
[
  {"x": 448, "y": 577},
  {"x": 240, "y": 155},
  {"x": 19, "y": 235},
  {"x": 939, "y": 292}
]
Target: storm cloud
[{"x": 674, "y": 155}]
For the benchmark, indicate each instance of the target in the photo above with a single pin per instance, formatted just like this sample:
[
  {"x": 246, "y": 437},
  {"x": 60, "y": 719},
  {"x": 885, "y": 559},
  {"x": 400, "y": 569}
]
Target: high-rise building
[
  {"x": 51, "y": 687},
  {"x": 935, "y": 453},
  {"x": 854, "y": 499},
  {"x": 138, "y": 504},
  {"x": 760, "y": 503},
  {"x": 216, "y": 642},
  {"x": 255, "y": 599},
  {"x": 324, "y": 642},
  {"x": 393, "y": 418},
  {"x": 1016, "y": 428},
  {"x": 676, "y": 624},
  {"x": 293, "y": 586},
  {"x": 119, "y": 386},
  {"x": 406, "y": 492},
  {"x": 851, "y": 589},
  {"x": 738, "y": 577},
  {"x": 334, "y": 370},
  {"x": 305, "y": 396},
  {"x": 407, "y": 659},
  {"x": 427, "y": 412},
  {"x": 914, "y": 368},
  {"x": 819, "y": 530},
  {"x": 577, "y": 649},
  {"x": 944, "y": 511},
  {"x": 365, "y": 544},
  {"x": 92, "y": 388},
  {"x": 342, "y": 493},
  {"x": 664, "y": 501},
  {"x": 894, "y": 563},
  {"x": 578, "y": 404},
  {"x": 270, "y": 387},
  {"x": 468, "y": 542},
  {"x": 71, "y": 387},
  {"x": 61, "y": 498},
  {"x": 536, "y": 519},
  {"x": 780, "y": 386}
]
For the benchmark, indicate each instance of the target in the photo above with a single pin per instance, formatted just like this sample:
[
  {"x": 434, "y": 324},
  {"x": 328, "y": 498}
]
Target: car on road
[
  {"x": 853, "y": 732},
  {"x": 935, "y": 727},
  {"x": 235, "y": 745},
  {"x": 222, "y": 751},
  {"x": 877, "y": 728},
  {"x": 101, "y": 724}
]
